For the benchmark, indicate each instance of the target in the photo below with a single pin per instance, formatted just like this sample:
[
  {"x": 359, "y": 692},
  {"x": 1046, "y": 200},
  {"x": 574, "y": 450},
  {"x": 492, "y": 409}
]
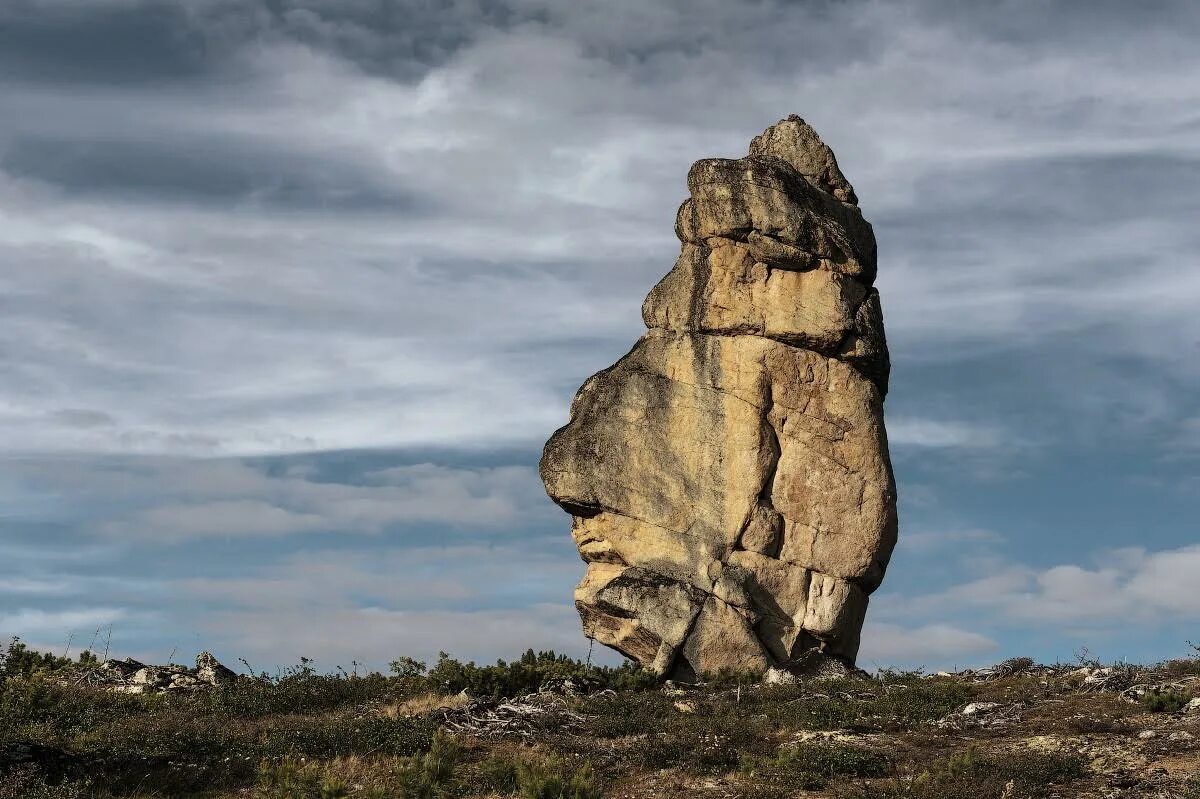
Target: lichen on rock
[{"x": 729, "y": 478}]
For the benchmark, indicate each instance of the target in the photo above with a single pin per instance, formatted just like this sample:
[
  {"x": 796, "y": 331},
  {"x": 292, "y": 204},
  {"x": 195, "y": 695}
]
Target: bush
[
  {"x": 298, "y": 690},
  {"x": 292, "y": 778},
  {"x": 426, "y": 775},
  {"x": 969, "y": 775},
  {"x": 724, "y": 679},
  {"x": 712, "y": 740},
  {"x": 27, "y": 782},
  {"x": 1167, "y": 701},
  {"x": 898, "y": 702},
  {"x": 325, "y": 737},
  {"x": 17, "y": 660},
  {"x": 615, "y": 716},
  {"x": 429, "y": 775},
  {"x": 60, "y": 710},
  {"x": 526, "y": 675},
  {"x": 552, "y": 778},
  {"x": 497, "y": 774},
  {"x": 810, "y": 766}
]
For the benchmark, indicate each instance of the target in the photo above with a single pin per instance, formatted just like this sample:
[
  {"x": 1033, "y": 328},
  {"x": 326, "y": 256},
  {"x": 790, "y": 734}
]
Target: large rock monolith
[{"x": 729, "y": 479}]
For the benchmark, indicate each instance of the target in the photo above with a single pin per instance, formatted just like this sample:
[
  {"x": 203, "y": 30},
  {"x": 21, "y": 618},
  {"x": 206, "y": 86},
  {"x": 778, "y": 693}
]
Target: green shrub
[
  {"x": 429, "y": 775},
  {"x": 526, "y": 675},
  {"x": 325, "y": 737},
  {"x": 425, "y": 775},
  {"x": 809, "y": 766},
  {"x": 26, "y": 781},
  {"x": 712, "y": 740},
  {"x": 724, "y": 679},
  {"x": 292, "y": 778},
  {"x": 63, "y": 710},
  {"x": 615, "y": 716},
  {"x": 497, "y": 774},
  {"x": 1167, "y": 701},
  {"x": 969, "y": 775},
  {"x": 552, "y": 778},
  {"x": 299, "y": 690},
  {"x": 851, "y": 703},
  {"x": 17, "y": 660}
]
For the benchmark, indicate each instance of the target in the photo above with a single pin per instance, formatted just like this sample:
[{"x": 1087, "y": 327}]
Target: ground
[{"x": 548, "y": 727}]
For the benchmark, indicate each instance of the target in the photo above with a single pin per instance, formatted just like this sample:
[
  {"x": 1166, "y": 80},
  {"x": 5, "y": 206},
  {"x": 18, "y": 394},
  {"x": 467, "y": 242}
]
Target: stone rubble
[{"x": 133, "y": 677}]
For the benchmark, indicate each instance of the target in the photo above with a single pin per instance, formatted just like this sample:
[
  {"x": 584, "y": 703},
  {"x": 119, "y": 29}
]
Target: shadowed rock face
[{"x": 728, "y": 479}]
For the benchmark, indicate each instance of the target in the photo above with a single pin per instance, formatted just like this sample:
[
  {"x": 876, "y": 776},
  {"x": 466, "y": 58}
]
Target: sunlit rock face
[{"x": 729, "y": 479}]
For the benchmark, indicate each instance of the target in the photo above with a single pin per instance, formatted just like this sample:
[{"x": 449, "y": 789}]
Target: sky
[{"x": 293, "y": 291}]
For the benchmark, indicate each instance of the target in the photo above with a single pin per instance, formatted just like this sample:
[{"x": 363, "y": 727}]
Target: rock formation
[
  {"x": 133, "y": 677},
  {"x": 729, "y": 479}
]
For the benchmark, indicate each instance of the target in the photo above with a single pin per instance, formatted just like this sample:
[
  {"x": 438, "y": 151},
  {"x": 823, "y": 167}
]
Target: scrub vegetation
[{"x": 549, "y": 727}]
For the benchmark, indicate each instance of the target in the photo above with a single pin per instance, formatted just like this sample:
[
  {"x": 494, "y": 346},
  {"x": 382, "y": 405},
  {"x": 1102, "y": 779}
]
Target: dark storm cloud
[
  {"x": 153, "y": 42},
  {"x": 204, "y": 170},
  {"x": 104, "y": 42}
]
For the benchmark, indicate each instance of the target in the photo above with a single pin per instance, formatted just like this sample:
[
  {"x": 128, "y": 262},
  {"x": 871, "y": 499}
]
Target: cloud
[
  {"x": 168, "y": 523},
  {"x": 205, "y": 170},
  {"x": 885, "y": 644},
  {"x": 1128, "y": 585},
  {"x": 50, "y": 625},
  {"x": 343, "y": 227},
  {"x": 165, "y": 501},
  {"x": 375, "y": 636},
  {"x": 935, "y": 434},
  {"x": 34, "y": 586},
  {"x": 232, "y": 228},
  {"x": 452, "y": 577}
]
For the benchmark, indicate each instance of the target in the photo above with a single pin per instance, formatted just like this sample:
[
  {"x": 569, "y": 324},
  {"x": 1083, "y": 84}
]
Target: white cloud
[
  {"x": 545, "y": 167},
  {"x": 336, "y": 636},
  {"x": 34, "y": 586},
  {"x": 464, "y": 575},
  {"x": 885, "y": 644},
  {"x": 49, "y": 625},
  {"x": 440, "y": 258},
  {"x": 940, "y": 434},
  {"x": 1130, "y": 585},
  {"x": 172, "y": 523},
  {"x": 170, "y": 500}
]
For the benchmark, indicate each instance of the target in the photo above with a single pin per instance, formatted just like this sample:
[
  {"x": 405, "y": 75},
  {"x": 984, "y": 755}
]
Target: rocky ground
[{"x": 548, "y": 727}]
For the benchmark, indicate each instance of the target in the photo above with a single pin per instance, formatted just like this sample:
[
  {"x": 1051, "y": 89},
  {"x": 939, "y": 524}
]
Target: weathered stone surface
[
  {"x": 729, "y": 477},
  {"x": 797, "y": 143},
  {"x": 802, "y": 226},
  {"x": 725, "y": 290},
  {"x": 130, "y": 676},
  {"x": 211, "y": 671}
]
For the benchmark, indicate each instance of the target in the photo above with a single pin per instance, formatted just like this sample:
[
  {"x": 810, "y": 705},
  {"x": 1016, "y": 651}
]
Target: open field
[{"x": 547, "y": 727}]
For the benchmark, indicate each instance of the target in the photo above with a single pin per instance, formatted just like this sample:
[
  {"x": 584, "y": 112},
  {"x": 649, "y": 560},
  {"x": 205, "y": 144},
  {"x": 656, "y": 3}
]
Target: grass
[
  {"x": 288, "y": 735},
  {"x": 811, "y": 766},
  {"x": 441, "y": 772},
  {"x": 304, "y": 735},
  {"x": 970, "y": 775},
  {"x": 897, "y": 702},
  {"x": 424, "y": 703}
]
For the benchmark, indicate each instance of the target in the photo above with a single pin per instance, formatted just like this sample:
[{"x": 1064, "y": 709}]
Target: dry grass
[{"x": 424, "y": 703}]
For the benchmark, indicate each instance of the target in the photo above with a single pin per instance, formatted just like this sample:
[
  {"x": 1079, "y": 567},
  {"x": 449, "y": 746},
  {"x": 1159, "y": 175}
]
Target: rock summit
[{"x": 729, "y": 479}]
